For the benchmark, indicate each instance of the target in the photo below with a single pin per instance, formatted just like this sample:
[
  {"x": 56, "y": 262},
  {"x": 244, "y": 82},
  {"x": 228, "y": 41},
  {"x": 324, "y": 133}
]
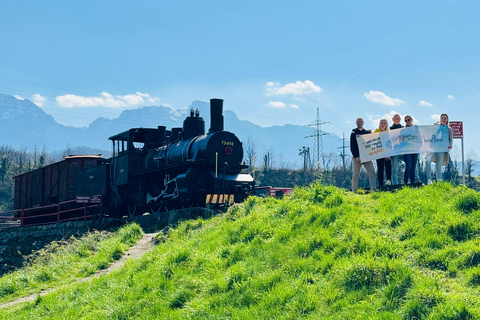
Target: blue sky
[{"x": 273, "y": 62}]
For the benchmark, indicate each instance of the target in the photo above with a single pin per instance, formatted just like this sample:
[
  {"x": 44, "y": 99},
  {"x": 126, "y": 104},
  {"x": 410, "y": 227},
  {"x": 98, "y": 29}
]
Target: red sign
[
  {"x": 457, "y": 129},
  {"x": 93, "y": 199}
]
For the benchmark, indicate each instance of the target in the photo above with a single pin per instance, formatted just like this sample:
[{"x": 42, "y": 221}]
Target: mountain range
[{"x": 24, "y": 125}]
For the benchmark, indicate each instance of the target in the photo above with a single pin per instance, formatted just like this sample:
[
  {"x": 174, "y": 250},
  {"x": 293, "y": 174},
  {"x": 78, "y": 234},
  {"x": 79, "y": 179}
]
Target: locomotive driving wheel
[
  {"x": 156, "y": 209},
  {"x": 186, "y": 204},
  {"x": 211, "y": 205},
  {"x": 132, "y": 208},
  {"x": 169, "y": 206}
]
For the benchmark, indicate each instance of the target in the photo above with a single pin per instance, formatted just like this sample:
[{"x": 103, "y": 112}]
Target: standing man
[
  {"x": 395, "y": 159},
  {"x": 357, "y": 164}
]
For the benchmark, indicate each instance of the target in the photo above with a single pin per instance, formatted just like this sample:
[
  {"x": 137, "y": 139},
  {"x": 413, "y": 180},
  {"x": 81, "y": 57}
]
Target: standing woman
[
  {"x": 384, "y": 163},
  {"x": 441, "y": 157},
  {"x": 395, "y": 159},
  {"x": 410, "y": 159}
]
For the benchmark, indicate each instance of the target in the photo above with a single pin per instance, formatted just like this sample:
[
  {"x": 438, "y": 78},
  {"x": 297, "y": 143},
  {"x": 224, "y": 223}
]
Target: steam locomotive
[{"x": 150, "y": 170}]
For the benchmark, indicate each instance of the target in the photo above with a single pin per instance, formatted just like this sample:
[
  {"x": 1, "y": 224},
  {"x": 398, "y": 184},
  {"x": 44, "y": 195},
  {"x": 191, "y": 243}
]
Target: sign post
[{"x": 457, "y": 130}]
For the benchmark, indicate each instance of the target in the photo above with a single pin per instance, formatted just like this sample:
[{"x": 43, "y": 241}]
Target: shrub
[{"x": 320, "y": 193}]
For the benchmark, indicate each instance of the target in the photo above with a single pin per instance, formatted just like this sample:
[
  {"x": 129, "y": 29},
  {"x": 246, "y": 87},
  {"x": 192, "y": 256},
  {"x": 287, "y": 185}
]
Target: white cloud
[
  {"x": 301, "y": 99},
  {"x": 372, "y": 121},
  {"x": 294, "y": 106},
  {"x": 380, "y": 97},
  {"x": 276, "y": 104},
  {"x": 435, "y": 117},
  {"x": 106, "y": 100},
  {"x": 424, "y": 103},
  {"x": 450, "y": 97},
  {"x": 39, "y": 100},
  {"x": 297, "y": 89},
  {"x": 18, "y": 97}
]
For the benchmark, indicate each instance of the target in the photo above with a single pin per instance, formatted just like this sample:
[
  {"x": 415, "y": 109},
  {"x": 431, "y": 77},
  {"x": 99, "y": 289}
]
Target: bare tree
[
  {"x": 456, "y": 157},
  {"x": 305, "y": 153},
  {"x": 281, "y": 163},
  {"x": 250, "y": 153},
  {"x": 470, "y": 165},
  {"x": 268, "y": 160}
]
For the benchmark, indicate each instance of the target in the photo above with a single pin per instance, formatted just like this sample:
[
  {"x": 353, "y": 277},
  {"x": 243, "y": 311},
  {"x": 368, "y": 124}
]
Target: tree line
[{"x": 268, "y": 169}]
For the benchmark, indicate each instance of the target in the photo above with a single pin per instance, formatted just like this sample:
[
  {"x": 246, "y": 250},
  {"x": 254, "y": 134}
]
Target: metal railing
[{"x": 61, "y": 212}]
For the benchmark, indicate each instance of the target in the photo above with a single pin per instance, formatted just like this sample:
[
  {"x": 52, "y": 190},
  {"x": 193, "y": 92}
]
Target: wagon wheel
[{"x": 132, "y": 208}]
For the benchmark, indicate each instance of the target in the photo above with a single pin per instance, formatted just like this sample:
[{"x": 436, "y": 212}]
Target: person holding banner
[
  {"x": 440, "y": 158},
  {"x": 410, "y": 159},
  {"x": 383, "y": 163},
  {"x": 357, "y": 164},
  {"x": 395, "y": 159}
]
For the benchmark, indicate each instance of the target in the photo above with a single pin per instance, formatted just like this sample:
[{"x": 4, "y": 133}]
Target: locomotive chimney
[
  {"x": 216, "y": 115},
  {"x": 162, "y": 134}
]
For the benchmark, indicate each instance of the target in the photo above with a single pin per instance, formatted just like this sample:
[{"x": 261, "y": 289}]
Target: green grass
[
  {"x": 321, "y": 253},
  {"x": 64, "y": 262}
]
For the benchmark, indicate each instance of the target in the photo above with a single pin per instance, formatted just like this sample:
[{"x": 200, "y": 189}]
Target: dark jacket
[
  {"x": 396, "y": 126},
  {"x": 353, "y": 141}
]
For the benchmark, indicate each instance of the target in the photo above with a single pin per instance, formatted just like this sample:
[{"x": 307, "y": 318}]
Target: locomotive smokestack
[{"x": 216, "y": 115}]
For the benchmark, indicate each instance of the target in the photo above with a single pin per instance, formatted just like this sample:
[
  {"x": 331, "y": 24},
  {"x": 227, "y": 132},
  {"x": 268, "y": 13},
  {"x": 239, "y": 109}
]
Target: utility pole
[
  {"x": 318, "y": 141},
  {"x": 343, "y": 147},
  {"x": 343, "y": 152}
]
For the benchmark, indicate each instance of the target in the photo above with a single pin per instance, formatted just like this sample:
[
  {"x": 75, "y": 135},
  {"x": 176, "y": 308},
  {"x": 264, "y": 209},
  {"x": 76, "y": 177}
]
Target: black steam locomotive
[{"x": 151, "y": 170}]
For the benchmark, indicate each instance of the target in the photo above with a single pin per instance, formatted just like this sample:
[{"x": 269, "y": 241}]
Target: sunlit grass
[
  {"x": 321, "y": 253},
  {"x": 65, "y": 261}
]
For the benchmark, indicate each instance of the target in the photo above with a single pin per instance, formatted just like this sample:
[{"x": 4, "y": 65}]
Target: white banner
[{"x": 417, "y": 139}]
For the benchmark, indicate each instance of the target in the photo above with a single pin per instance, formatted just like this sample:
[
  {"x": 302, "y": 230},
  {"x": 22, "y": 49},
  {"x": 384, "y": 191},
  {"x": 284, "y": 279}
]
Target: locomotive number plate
[{"x": 227, "y": 143}]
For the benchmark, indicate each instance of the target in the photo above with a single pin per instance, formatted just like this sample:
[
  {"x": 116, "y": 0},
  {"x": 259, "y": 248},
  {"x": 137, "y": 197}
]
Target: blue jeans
[
  {"x": 410, "y": 164},
  {"x": 395, "y": 161},
  {"x": 384, "y": 164}
]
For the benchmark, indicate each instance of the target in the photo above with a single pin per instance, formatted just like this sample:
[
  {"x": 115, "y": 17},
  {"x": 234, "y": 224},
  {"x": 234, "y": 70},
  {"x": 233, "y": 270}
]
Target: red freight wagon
[
  {"x": 268, "y": 191},
  {"x": 51, "y": 184}
]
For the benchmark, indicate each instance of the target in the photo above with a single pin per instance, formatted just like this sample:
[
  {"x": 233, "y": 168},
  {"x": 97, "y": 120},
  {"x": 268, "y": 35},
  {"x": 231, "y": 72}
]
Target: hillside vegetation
[
  {"x": 64, "y": 262},
  {"x": 322, "y": 253}
]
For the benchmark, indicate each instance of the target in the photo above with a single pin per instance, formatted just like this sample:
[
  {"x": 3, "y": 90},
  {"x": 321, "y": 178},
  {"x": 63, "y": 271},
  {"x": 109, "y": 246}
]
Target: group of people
[{"x": 391, "y": 164}]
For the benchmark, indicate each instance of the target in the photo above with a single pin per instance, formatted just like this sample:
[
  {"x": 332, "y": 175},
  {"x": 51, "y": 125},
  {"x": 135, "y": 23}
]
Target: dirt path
[{"x": 142, "y": 246}]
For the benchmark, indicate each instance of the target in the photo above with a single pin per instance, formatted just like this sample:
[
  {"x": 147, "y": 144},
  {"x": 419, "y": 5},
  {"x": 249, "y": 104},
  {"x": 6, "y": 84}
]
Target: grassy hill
[{"x": 322, "y": 253}]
